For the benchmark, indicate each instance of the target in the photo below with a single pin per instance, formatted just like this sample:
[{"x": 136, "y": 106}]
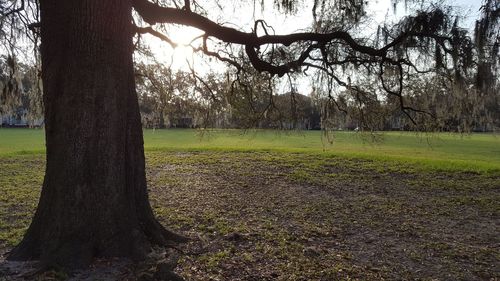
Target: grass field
[
  {"x": 276, "y": 206},
  {"x": 443, "y": 151}
]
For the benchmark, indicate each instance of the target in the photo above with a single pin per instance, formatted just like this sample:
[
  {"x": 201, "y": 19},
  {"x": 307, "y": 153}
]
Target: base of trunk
[{"x": 135, "y": 243}]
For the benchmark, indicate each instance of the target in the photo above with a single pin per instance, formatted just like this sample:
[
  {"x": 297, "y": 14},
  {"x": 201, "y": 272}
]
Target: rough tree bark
[{"x": 94, "y": 200}]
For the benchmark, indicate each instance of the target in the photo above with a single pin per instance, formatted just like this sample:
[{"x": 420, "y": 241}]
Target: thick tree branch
[{"x": 154, "y": 14}]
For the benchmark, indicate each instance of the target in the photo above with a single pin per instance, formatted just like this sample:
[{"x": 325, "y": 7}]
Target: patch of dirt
[{"x": 356, "y": 223}]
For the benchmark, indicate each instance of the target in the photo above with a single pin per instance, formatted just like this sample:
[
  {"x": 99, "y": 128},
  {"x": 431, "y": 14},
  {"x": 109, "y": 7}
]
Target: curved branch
[
  {"x": 154, "y": 14},
  {"x": 205, "y": 50},
  {"x": 280, "y": 70},
  {"x": 159, "y": 35}
]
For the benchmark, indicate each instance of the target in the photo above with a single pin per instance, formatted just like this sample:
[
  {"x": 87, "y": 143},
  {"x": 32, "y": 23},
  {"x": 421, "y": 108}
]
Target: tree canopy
[{"x": 334, "y": 48}]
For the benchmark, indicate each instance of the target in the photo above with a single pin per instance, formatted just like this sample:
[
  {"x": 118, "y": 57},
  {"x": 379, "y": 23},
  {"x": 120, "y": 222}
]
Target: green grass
[
  {"x": 438, "y": 151},
  {"x": 22, "y": 141}
]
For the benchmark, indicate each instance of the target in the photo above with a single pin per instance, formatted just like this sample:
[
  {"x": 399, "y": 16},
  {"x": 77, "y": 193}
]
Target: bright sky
[{"x": 243, "y": 15}]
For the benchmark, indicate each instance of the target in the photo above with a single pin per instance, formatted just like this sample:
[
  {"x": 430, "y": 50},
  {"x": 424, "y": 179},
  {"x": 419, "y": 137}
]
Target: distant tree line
[{"x": 178, "y": 99}]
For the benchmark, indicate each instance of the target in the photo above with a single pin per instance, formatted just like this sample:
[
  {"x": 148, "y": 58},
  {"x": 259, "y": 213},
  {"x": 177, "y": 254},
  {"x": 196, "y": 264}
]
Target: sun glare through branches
[{"x": 178, "y": 55}]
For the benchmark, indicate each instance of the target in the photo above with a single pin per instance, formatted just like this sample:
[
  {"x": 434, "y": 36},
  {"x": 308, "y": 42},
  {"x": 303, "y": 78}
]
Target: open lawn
[
  {"x": 285, "y": 209},
  {"x": 442, "y": 151}
]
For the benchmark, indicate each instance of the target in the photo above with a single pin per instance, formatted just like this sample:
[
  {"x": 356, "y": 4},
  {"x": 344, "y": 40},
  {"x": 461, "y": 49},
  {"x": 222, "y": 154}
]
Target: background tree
[
  {"x": 94, "y": 199},
  {"x": 20, "y": 91}
]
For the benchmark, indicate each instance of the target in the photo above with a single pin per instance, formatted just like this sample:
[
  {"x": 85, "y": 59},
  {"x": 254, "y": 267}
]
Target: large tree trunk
[{"x": 94, "y": 199}]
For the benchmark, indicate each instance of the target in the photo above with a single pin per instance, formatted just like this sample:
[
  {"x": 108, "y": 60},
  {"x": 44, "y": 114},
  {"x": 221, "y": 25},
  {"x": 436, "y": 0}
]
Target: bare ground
[{"x": 281, "y": 216}]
